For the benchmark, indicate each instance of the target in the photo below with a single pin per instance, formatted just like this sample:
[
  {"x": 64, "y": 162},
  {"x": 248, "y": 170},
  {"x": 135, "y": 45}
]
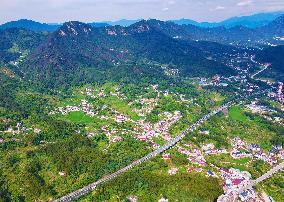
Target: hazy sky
[{"x": 105, "y": 10}]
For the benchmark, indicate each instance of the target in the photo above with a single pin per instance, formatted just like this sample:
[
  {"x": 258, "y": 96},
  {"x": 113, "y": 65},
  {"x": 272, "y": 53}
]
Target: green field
[
  {"x": 121, "y": 106},
  {"x": 236, "y": 113},
  {"x": 79, "y": 117}
]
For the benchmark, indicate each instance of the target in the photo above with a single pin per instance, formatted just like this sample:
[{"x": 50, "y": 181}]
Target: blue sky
[{"x": 105, "y": 10}]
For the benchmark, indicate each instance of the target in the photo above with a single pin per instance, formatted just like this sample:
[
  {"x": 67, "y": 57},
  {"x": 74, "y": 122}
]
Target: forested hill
[
  {"x": 30, "y": 25},
  {"x": 77, "y": 50},
  {"x": 16, "y": 42},
  {"x": 273, "y": 55}
]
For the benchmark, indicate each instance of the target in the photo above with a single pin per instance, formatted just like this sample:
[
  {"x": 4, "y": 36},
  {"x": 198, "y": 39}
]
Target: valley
[{"x": 189, "y": 114}]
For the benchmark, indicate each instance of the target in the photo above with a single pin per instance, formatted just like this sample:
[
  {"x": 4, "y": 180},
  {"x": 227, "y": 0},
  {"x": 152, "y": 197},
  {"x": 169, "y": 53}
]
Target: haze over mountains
[
  {"x": 252, "y": 21},
  {"x": 238, "y": 32},
  {"x": 39, "y": 27}
]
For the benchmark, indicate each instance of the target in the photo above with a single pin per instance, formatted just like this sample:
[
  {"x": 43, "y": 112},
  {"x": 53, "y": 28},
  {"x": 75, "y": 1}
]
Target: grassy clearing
[
  {"x": 216, "y": 97},
  {"x": 79, "y": 117},
  {"x": 73, "y": 101},
  {"x": 237, "y": 114},
  {"x": 121, "y": 106},
  {"x": 226, "y": 161}
]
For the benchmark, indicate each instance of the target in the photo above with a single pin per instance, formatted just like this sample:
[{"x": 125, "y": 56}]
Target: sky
[{"x": 58, "y": 11}]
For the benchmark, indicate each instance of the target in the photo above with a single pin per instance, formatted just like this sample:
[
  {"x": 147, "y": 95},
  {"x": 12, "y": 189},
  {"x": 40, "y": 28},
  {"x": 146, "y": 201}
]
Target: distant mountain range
[
  {"x": 38, "y": 27},
  {"x": 253, "y": 21},
  {"x": 30, "y": 25},
  {"x": 270, "y": 34}
]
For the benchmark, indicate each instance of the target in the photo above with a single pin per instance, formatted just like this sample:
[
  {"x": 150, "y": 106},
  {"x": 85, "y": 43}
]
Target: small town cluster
[
  {"x": 16, "y": 130},
  {"x": 142, "y": 130},
  {"x": 84, "y": 106},
  {"x": 234, "y": 179},
  {"x": 242, "y": 149},
  {"x": 279, "y": 96}
]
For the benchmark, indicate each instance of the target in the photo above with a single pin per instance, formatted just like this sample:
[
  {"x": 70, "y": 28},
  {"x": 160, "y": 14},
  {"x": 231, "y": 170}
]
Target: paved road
[
  {"x": 265, "y": 67},
  {"x": 89, "y": 188},
  {"x": 269, "y": 174},
  {"x": 265, "y": 176}
]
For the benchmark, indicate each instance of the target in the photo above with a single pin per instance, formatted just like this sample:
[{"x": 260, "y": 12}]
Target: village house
[
  {"x": 132, "y": 198},
  {"x": 234, "y": 181},
  {"x": 166, "y": 156},
  {"x": 210, "y": 174},
  {"x": 163, "y": 200},
  {"x": 210, "y": 149},
  {"x": 173, "y": 171}
]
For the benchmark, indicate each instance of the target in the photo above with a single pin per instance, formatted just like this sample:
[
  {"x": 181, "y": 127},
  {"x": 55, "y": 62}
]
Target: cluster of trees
[
  {"x": 150, "y": 183},
  {"x": 33, "y": 174}
]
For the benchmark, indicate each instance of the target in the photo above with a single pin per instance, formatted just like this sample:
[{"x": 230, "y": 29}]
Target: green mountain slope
[
  {"x": 273, "y": 55},
  {"x": 16, "y": 42},
  {"x": 78, "y": 52}
]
